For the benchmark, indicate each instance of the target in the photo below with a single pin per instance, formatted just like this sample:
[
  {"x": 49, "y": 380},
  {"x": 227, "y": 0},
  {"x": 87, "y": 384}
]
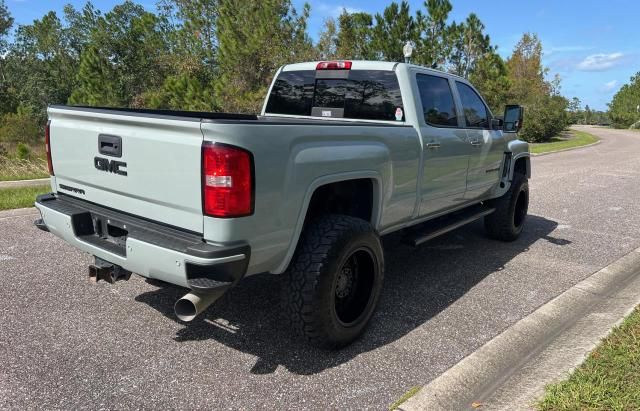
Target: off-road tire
[
  {"x": 507, "y": 222},
  {"x": 312, "y": 296}
]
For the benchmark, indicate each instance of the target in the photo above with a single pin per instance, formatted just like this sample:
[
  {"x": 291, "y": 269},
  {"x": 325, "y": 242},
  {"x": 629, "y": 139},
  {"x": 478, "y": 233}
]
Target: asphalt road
[{"x": 68, "y": 344}]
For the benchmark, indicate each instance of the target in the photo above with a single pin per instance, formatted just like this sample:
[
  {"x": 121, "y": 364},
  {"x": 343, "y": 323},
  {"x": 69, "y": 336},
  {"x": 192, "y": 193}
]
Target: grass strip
[
  {"x": 609, "y": 379},
  {"x": 573, "y": 139},
  {"x": 20, "y": 197},
  {"x": 413, "y": 391}
]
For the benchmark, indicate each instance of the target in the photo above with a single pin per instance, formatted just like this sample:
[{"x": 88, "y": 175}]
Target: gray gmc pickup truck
[{"x": 344, "y": 152}]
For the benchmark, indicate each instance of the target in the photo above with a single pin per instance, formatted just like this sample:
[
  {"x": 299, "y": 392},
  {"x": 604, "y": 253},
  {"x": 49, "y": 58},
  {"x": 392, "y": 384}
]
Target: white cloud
[
  {"x": 600, "y": 62},
  {"x": 564, "y": 49},
  {"x": 609, "y": 85},
  {"x": 331, "y": 10}
]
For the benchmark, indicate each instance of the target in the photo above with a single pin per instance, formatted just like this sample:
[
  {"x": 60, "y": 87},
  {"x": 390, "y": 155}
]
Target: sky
[{"x": 593, "y": 46}]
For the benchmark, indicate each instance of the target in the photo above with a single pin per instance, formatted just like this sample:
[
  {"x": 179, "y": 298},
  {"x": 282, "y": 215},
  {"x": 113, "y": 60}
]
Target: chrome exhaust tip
[{"x": 188, "y": 307}]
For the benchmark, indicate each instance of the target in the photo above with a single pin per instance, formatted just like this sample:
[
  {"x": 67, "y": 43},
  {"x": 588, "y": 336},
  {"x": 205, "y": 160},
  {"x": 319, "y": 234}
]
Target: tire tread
[{"x": 318, "y": 245}]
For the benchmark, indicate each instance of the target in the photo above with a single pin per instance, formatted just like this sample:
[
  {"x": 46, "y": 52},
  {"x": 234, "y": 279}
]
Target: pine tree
[
  {"x": 327, "y": 43},
  {"x": 393, "y": 28},
  {"x": 434, "y": 46},
  {"x": 354, "y": 36},
  {"x": 490, "y": 78},
  {"x": 7, "y": 97},
  {"x": 182, "y": 92},
  {"x": 96, "y": 85},
  {"x": 254, "y": 39},
  {"x": 545, "y": 109},
  {"x": 526, "y": 70},
  {"x": 469, "y": 44},
  {"x": 6, "y": 22}
]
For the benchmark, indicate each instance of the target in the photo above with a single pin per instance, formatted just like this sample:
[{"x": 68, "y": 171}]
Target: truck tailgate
[{"x": 159, "y": 175}]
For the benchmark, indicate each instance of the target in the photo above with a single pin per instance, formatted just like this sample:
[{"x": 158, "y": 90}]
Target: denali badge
[
  {"x": 112, "y": 166},
  {"x": 72, "y": 189}
]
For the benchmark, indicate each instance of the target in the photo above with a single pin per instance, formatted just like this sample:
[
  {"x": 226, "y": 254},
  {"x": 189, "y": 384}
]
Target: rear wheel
[
  {"x": 507, "y": 222},
  {"x": 334, "y": 280}
]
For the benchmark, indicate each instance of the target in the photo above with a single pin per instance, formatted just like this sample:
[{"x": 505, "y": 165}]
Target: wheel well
[
  {"x": 351, "y": 197},
  {"x": 522, "y": 166}
]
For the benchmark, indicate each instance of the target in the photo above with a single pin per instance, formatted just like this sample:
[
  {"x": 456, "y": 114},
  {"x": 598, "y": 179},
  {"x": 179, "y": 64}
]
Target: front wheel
[
  {"x": 507, "y": 222},
  {"x": 334, "y": 280}
]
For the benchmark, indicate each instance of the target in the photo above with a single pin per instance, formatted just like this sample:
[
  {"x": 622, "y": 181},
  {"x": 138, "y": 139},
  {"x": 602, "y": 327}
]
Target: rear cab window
[
  {"x": 352, "y": 94},
  {"x": 437, "y": 100}
]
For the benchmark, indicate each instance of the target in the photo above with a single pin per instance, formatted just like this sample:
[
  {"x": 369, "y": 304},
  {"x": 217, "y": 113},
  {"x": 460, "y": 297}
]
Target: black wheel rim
[
  {"x": 520, "y": 211},
  {"x": 354, "y": 284}
]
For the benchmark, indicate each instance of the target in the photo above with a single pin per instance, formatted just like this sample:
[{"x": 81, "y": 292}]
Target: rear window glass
[
  {"x": 437, "y": 100},
  {"x": 365, "y": 95},
  {"x": 292, "y": 93}
]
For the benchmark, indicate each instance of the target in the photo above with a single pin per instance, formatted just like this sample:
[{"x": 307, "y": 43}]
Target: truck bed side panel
[{"x": 293, "y": 159}]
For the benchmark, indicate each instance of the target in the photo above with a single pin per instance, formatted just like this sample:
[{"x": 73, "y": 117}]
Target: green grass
[
  {"x": 569, "y": 139},
  {"x": 413, "y": 391},
  {"x": 609, "y": 379},
  {"x": 20, "y": 197}
]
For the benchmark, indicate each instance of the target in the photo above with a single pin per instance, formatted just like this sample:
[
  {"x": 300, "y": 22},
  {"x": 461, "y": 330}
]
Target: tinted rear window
[
  {"x": 365, "y": 94},
  {"x": 437, "y": 100}
]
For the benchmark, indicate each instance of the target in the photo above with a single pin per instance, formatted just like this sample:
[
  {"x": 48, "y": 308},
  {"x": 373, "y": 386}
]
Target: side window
[
  {"x": 374, "y": 95},
  {"x": 475, "y": 112},
  {"x": 437, "y": 100}
]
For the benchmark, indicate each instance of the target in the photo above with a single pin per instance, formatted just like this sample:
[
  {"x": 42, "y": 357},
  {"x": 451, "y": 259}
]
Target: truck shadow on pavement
[{"x": 419, "y": 284}]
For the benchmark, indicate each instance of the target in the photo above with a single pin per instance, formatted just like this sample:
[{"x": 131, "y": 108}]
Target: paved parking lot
[{"x": 65, "y": 343}]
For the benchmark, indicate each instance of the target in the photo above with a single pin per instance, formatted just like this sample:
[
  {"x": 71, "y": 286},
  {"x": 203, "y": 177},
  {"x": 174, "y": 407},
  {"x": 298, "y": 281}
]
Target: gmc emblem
[{"x": 112, "y": 166}]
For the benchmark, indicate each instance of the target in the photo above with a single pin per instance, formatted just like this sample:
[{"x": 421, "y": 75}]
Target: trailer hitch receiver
[{"x": 104, "y": 270}]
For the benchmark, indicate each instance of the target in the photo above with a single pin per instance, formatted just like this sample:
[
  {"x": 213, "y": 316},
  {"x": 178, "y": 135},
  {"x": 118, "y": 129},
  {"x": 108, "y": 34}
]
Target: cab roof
[
  {"x": 369, "y": 65},
  {"x": 356, "y": 65}
]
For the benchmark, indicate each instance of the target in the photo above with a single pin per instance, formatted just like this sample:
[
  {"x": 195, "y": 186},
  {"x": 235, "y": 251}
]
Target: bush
[
  {"x": 20, "y": 127},
  {"x": 544, "y": 119},
  {"x": 23, "y": 152},
  {"x": 182, "y": 92}
]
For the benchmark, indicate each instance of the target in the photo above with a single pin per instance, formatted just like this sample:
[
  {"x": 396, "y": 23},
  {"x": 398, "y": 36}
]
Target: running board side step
[{"x": 439, "y": 227}]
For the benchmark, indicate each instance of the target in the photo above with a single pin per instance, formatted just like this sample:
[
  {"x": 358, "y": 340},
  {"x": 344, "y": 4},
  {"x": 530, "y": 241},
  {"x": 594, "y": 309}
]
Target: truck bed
[{"x": 220, "y": 117}]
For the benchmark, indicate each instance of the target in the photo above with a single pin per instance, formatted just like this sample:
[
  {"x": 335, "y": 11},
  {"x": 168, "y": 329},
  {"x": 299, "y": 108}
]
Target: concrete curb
[
  {"x": 486, "y": 371},
  {"x": 24, "y": 183},
  {"x": 567, "y": 149}
]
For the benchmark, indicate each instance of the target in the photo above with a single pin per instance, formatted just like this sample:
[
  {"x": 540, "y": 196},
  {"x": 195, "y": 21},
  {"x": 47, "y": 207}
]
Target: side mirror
[
  {"x": 513, "y": 116},
  {"x": 496, "y": 123}
]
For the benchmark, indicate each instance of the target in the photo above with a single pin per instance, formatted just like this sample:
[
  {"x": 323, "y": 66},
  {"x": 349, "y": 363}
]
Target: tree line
[
  {"x": 624, "y": 108},
  {"x": 212, "y": 55}
]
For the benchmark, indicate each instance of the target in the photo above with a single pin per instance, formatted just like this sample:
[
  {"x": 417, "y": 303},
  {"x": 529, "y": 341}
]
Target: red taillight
[
  {"x": 334, "y": 65},
  {"x": 227, "y": 181},
  {"x": 47, "y": 146}
]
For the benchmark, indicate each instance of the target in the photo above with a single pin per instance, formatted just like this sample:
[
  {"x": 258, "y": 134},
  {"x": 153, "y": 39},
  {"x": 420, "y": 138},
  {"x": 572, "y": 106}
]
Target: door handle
[
  {"x": 110, "y": 145},
  {"x": 433, "y": 145},
  {"x": 476, "y": 142}
]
